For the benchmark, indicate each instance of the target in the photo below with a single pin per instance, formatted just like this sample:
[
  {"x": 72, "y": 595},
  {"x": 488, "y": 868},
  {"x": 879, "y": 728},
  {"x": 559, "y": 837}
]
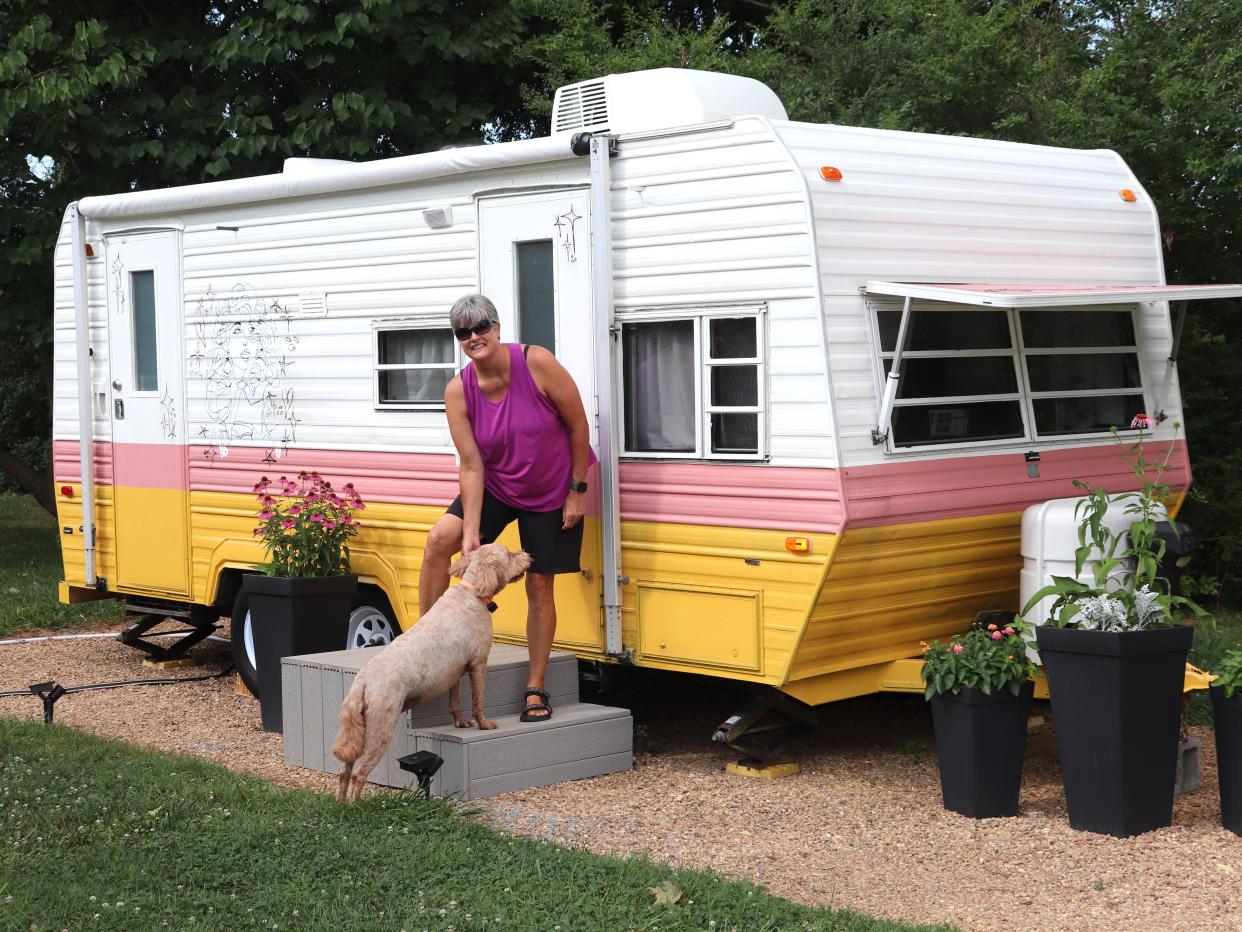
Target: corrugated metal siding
[
  {"x": 915, "y": 207},
  {"x": 720, "y": 217},
  {"x": 889, "y": 588}
]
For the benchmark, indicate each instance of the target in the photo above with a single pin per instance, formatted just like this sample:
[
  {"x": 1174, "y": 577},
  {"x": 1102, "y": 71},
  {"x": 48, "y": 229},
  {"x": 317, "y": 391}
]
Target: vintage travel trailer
[{"x": 826, "y": 369}]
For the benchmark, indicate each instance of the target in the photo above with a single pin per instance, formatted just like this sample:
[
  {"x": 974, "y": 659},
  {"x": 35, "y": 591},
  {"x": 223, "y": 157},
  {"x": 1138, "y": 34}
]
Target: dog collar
[{"x": 491, "y": 606}]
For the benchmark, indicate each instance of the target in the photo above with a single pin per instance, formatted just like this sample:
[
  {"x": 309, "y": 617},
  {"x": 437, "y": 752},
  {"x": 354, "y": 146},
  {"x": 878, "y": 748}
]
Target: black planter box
[
  {"x": 1117, "y": 707},
  {"x": 292, "y": 616},
  {"x": 981, "y": 741},
  {"x": 1227, "y": 719}
]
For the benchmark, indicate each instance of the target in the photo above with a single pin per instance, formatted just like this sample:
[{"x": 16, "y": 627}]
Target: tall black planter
[
  {"x": 1117, "y": 705},
  {"x": 289, "y": 617},
  {"x": 981, "y": 741},
  {"x": 1227, "y": 718}
]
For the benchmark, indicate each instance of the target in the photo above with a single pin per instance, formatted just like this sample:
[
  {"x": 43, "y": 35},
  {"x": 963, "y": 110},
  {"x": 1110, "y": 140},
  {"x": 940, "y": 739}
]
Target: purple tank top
[{"x": 521, "y": 438}]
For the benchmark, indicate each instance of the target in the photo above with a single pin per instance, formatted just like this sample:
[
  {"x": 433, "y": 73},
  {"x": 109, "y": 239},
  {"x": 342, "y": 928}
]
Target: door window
[
  {"x": 536, "y": 298},
  {"x": 146, "y": 356}
]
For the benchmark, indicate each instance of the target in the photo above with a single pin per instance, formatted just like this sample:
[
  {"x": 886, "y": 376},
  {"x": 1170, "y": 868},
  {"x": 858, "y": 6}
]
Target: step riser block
[
  {"x": 314, "y": 686},
  {"x": 580, "y": 741}
]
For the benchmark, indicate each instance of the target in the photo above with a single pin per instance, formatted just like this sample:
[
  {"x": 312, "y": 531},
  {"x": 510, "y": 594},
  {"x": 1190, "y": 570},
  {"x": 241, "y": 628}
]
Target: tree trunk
[{"x": 36, "y": 483}]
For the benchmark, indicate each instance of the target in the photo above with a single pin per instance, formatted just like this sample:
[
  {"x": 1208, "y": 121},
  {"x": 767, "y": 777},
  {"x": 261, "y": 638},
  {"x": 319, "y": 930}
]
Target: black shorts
[{"x": 552, "y": 549}]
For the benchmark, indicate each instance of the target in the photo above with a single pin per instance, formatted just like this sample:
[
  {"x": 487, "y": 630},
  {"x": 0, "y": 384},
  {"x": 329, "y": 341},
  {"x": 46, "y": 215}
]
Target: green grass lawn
[
  {"x": 31, "y": 570},
  {"x": 98, "y": 834}
]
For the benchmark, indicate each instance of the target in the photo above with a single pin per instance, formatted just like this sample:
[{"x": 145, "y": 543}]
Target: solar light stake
[
  {"x": 49, "y": 692},
  {"x": 423, "y": 764}
]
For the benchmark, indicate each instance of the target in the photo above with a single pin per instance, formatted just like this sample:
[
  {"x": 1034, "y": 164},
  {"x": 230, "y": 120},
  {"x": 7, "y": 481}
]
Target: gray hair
[{"x": 472, "y": 309}]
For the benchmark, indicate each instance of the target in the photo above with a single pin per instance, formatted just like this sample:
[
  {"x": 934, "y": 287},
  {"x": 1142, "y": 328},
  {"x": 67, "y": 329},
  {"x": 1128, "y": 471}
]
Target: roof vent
[
  {"x": 662, "y": 98},
  {"x": 582, "y": 106}
]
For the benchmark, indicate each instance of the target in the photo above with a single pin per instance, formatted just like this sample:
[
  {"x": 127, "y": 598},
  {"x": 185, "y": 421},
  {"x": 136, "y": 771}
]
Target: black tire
[
  {"x": 371, "y": 623},
  {"x": 243, "y": 642}
]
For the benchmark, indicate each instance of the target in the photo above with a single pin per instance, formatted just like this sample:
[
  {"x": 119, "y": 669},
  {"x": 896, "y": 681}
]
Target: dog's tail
[{"x": 352, "y": 736}]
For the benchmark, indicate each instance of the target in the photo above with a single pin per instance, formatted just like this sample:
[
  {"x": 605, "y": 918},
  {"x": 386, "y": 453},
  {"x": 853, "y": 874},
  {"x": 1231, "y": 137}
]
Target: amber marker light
[
  {"x": 828, "y": 173},
  {"x": 90, "y": 251},
  {"x": 67, "y": 491},
  {"x": 1128, "y": 196},
  {"x": 798, "y": 544}
]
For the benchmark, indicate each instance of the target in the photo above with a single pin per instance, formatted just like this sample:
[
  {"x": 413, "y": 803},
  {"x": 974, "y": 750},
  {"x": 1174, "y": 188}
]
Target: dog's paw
[
  {"x": 486, "y": 724},
  {"x": 464, "y": 723}
]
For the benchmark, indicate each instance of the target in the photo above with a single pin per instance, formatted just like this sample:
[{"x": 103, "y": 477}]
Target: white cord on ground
[{"x": 81, "y": 637}]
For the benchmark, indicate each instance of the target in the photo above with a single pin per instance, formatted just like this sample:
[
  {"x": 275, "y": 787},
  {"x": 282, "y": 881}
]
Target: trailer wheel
[
  {"x": 371, "y": 624},
  {"x": 242, "y": 637}
]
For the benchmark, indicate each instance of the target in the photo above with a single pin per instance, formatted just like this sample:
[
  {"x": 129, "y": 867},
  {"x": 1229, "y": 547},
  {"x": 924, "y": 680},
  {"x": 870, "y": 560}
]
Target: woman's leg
[
  {"x": 443, "y": 540},
  {"x": 540, "y": 630}
]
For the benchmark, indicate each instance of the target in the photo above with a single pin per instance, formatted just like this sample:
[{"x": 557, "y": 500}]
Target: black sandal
[{"x": 544, "y": 705}]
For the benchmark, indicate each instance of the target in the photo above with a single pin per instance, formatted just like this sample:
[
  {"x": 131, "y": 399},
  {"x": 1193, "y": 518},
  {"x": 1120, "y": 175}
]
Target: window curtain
[{"x": 659, "y": 387}]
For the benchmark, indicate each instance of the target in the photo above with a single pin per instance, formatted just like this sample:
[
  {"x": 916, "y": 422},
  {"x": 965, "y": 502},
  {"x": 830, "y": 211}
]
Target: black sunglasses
[{"x": 463, "y": 333}]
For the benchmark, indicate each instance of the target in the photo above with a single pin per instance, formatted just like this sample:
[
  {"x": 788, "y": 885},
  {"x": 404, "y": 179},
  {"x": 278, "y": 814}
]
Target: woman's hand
[
  {"x": 575, "y": 508},
  {"x": 469, "y": 541}
]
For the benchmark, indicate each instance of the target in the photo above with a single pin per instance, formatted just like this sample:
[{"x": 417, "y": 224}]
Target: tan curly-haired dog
[{"x": 455, "y": 636}]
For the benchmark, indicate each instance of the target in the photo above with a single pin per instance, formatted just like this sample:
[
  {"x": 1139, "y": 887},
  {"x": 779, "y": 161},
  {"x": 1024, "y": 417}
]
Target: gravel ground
[{"x": 861, "y": 827}]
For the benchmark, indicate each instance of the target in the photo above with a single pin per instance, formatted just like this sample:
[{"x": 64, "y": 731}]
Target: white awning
[{"x": 1019, "y": 296}]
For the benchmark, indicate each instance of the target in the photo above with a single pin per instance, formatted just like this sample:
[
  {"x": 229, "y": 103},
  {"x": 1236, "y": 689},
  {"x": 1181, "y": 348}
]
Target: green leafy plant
[
  {"x": 990, "y": 659},
  {"x": 306, "y": 525},
  {"x": 1126, "y": 593},
  {"x": 1229, "y": 676}
]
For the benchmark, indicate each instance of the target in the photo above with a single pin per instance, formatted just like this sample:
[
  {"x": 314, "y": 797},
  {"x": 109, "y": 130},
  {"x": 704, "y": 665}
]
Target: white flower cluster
[{"x": 1101, "y": 613}]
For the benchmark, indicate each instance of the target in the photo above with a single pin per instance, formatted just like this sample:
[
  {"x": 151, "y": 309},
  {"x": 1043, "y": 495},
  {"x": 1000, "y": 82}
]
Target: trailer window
[
  {"x": 985, "y": 375},
  {"x": 413, "y": 364},
  {"x": 1083, "y": 370},
  {"x": 146, "y": 363},
  {"x": 694, "y": 387}
]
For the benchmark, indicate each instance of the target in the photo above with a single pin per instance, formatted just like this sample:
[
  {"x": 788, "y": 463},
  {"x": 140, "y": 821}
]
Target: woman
[{"x": 521, "y": 432}]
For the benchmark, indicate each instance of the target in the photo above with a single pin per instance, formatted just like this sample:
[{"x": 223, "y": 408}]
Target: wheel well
[{"x": 227, "y": 589}]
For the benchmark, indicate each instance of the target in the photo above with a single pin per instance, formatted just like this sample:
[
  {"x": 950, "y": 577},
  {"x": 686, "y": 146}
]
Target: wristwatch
[{"x": 577, "y": 486}]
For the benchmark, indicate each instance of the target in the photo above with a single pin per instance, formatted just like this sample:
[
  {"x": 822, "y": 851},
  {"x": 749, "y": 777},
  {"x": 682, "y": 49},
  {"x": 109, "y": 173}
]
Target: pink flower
[
  {"x": 295, "y": 510},
  {"x": 329, "y": 524},
  {"x": 317, "y": 518},
  {"x": 958, "y": 648},
  {"x": 1142, "y": 421},
  {"x": 265, "y": 514},
  {"x": 1007, "y": 630},
  {"x": 287, "y": 523},
  {"x": 996, "y": 635},
  {"x": 258, "y": 531}
]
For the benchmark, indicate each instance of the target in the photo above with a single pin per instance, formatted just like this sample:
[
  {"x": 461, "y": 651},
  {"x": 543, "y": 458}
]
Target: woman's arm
[
  {"x": 471, "y": 470},
  {"x": 554, "y": 380}
]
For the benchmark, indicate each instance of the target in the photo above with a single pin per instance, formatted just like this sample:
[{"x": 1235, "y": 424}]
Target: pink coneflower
[
  {"x": 265, "y": 514},
  {"x": 288, "y": 523},
  {"x": 329, "y": 524},
  {"x": 1142, "y": 421},
  {"x": 295, "y": 510},
  {"x": 317, "y": 518}
]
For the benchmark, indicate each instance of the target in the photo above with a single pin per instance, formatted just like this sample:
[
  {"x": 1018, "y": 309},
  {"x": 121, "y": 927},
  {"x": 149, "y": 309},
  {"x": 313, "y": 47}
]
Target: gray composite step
[
  {"x": 580, "y": 740},
  {"x": 314, "y": 685}
]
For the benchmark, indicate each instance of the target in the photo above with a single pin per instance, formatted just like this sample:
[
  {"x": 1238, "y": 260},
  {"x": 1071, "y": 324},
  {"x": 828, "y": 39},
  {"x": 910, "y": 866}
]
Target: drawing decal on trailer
[
  {"x": 168, "y": 414},
  {"x": 566, "y": 226},
  {"x": 241, "y": 354}
]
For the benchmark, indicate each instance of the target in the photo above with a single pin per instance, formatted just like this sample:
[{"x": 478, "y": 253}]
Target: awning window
[{"x": 985, "y": 362}]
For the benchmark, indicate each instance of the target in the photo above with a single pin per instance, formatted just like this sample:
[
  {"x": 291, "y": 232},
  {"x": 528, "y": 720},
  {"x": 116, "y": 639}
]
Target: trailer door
[
  {"x": 535, "y": 265},
  {"x": 147, "y": 409}
]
